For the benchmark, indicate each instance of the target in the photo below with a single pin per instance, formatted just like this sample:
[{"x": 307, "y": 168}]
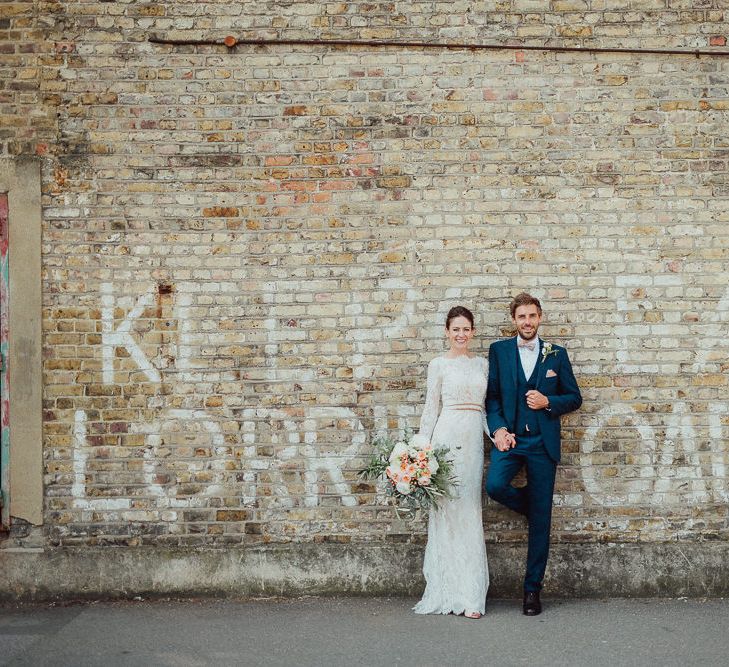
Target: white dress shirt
[{"x": 528, "y": 357}]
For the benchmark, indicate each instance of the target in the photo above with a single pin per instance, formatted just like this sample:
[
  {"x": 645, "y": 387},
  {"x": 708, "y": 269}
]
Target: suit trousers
[{"x": 534, "y": 500}]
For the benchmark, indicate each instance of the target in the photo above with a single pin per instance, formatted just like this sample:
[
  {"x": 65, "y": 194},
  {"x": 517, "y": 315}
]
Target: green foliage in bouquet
[{"x": 417, "y": 474}]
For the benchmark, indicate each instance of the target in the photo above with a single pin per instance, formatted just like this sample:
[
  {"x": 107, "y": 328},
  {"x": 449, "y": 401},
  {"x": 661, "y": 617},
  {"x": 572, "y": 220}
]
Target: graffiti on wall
[
  {"x": 685, "y": 453},
  {"x": 230, "y": 475},
  {"x": 694, "y": 439}
]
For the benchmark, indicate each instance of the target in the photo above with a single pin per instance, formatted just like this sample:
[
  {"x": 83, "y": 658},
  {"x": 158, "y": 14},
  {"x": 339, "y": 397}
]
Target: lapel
[
  {"x": 538, "y": 367},
  {"x": 513, "y": 355}
]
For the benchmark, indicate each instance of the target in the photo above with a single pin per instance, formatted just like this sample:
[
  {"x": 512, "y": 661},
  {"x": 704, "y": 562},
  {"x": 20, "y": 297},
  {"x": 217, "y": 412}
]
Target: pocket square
[{"x": 551, "y": 374}]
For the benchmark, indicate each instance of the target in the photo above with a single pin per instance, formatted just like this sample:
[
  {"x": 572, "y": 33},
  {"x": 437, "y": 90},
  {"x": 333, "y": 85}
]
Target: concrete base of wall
[{"x": 605, "y": 570}]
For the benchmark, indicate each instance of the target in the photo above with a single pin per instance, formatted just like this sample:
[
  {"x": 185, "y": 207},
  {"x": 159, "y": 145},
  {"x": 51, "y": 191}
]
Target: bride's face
[{"x": 459, "y": 333}]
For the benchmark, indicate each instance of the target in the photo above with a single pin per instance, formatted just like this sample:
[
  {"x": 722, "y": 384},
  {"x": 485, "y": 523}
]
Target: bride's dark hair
[{"x": 458, "y": 311}]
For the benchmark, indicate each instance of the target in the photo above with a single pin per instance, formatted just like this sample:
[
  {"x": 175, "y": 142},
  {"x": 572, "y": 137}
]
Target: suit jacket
[{"x": 556, "y": 381}]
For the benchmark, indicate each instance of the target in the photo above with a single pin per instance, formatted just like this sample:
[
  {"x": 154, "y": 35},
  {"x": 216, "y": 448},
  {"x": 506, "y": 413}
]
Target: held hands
[
  {"x": 504, "y": 440},
  {"x": 536, "y": 400}
]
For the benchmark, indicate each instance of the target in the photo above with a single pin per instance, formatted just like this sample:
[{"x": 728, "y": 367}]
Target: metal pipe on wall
[{"x": 231, "y": 42}]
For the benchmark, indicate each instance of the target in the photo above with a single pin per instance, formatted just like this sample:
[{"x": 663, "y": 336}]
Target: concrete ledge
[{"x": 617, "y": 570}]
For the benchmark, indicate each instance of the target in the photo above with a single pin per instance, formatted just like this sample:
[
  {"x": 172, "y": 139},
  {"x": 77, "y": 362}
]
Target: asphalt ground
[{"x": 364, "y": 631}]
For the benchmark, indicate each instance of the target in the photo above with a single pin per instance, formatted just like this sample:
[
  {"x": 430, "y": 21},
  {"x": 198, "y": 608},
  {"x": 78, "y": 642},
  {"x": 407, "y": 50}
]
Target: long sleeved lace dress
[{"x": 455, "y": 565}]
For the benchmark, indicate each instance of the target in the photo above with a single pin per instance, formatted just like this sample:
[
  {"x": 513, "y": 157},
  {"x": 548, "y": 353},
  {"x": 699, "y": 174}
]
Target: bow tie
[{"x": 528, "y": 346}]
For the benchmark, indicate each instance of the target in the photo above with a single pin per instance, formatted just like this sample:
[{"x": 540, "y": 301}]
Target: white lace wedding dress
[{"x": 455, "y": 566}]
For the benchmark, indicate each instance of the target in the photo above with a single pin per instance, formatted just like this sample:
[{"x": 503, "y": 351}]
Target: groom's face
[{"x": 527, "y": 319}]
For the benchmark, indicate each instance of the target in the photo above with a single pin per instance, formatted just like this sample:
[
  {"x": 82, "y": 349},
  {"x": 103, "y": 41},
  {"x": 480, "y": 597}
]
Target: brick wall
[
  {"x": 248, "y": 255},
  {"x": 27, "y": 103}
]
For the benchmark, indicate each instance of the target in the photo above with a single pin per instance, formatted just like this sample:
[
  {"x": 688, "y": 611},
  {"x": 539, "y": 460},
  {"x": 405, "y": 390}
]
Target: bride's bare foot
[{"x": 472, "y": 614}]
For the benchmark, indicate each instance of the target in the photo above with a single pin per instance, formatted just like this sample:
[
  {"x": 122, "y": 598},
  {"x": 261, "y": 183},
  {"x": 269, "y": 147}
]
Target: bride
[{"x": 455, "y": 566}]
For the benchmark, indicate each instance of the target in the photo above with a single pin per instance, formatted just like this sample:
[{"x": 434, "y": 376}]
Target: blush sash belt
[{"x": 474, "y": 407}]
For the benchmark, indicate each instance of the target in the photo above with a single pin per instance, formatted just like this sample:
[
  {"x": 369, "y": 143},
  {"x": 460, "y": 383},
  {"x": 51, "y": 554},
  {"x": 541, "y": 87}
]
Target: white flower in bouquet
[
  {"x": 398, "y": 450},
  {"x": 403, "y": 487},
  {"x": 433, "y": 465}
]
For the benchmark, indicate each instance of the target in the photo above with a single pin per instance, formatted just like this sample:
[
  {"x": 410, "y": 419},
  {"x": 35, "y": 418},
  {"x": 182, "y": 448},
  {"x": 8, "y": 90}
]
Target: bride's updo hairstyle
[{"x": 459, "y": 311}]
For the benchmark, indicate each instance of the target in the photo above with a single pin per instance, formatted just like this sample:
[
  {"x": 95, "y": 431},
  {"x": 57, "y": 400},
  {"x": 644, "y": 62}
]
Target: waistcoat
[{"x": 526, "y": 418}]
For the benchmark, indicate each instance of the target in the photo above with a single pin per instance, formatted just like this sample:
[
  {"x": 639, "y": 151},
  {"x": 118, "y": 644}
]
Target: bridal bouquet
[{"x": 417, "y": 474}]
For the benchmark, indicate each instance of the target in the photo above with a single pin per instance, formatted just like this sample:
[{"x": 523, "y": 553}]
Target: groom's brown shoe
[{"x": 532, "y": 604}]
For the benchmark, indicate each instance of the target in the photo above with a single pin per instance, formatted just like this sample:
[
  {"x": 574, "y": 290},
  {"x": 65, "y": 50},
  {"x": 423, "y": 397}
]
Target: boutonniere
[{"x": 547, "y": 350}]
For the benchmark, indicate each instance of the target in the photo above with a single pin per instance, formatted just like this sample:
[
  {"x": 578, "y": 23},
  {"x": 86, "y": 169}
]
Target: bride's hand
[{"x": 504, "y": 440}]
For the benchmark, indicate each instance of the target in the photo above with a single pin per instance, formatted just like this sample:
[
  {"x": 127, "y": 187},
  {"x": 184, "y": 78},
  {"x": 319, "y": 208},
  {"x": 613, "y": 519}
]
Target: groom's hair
[{"x": 524, "y": 299}]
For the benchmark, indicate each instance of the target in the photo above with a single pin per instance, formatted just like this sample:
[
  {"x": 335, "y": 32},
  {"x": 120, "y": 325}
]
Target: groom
[{"x": 530, "y": 386}]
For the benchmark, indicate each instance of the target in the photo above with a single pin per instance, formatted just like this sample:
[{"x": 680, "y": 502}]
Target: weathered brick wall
[
  {"x": 248, "y": 255},
  {"x": 27, "y": 105}
]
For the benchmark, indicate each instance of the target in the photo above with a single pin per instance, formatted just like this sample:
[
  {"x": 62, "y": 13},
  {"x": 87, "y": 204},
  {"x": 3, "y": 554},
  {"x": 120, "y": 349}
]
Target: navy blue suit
[{"x": 537, "y": 440}]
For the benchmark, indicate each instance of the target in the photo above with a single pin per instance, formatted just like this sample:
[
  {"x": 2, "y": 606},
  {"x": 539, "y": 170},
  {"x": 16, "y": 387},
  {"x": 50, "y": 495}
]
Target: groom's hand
[
  {"x": 504, "y": 440},
  {"x": 536, "y": 400}
]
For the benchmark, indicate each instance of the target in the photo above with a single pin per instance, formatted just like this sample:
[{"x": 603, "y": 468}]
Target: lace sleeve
[
  {"x": 485, "y": 424},
  {"x": 432, "y": 401}
]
